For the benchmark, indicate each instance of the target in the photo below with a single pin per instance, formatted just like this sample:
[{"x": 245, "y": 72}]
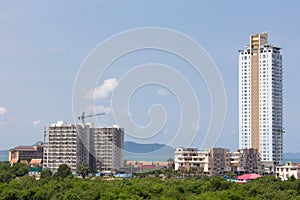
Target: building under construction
[{"x": 101, "y": 148}]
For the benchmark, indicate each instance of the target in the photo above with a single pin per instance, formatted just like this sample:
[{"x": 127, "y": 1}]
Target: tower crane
[{"x": 83, "y": 116}]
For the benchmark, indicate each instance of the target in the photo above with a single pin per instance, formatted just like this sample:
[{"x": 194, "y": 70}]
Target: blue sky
[{"x": 42, "y": 45}]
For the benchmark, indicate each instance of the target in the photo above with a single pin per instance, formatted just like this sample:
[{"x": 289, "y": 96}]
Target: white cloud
[
  {"x": 3, "y": 111},
  {"x": 98, "y": 109},
  {"x": 162, "y": 92},
  {"x": 101, "y": 109},
  {"x": 33, "y": 49},
  {"x": 104, "y": 90},
  {"x": 59, "y": 49},
  {"x": 36, "y": 123},
  {"x": 4, "y": 118}
]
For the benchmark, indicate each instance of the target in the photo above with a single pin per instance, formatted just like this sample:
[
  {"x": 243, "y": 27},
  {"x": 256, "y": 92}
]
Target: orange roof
[
  {"x": 35, "y": 161},
  {"x": 24, "y": 162},
  {"x": 145, "y": 162},
  {"x": 131, "y": 162}
]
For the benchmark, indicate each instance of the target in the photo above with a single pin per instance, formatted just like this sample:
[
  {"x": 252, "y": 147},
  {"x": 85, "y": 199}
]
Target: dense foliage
[
  {"x": 8, "y": 172},
  {"x": 16, "y": 184},
  {"x": 50, "y": 187},
  {"x": 63, "y": 171}
]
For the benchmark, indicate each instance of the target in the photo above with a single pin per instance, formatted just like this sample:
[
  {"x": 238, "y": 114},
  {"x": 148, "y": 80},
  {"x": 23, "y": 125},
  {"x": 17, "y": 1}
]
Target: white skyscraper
[{"x": 260, "y": 99}]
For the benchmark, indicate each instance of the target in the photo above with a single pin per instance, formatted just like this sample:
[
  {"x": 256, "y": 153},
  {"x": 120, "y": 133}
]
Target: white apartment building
[
  {"x": 217, "y": 161},
  {"x": 101, "y": 148},
  {"x": 288, "y": 170},
  {"x": 60, "y": 146},
  {"x": 213, "y": 161},
  {"x": 189, "y": 157},
  {"x": 260, "y": 99}
]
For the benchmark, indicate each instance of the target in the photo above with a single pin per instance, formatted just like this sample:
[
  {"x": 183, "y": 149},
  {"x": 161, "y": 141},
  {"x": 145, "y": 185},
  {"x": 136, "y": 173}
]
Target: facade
[
  {"x": 132, "y": 166},
  {"x": 100, "y": 148},
  {"x": 85, "y": 146},
  {"x": 260, "y": 99},
  {"x": 60, "y": 140},
  {"x": 25, "y": 153},
  {"x": 288, "y": 170},
  {"x": 108, "y": 148},
  {"x": 186, "y": 158},
  {"x": 213, "y": 161},
  {"x": 246, "y": 161},
  {"x": 217, "y": 161}
]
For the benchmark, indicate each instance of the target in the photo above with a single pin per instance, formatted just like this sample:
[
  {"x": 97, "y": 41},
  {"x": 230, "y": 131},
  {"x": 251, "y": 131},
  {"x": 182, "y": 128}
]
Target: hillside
[
  {"x": 147, "y": 152},
  {"x": 144, "y": 148}
]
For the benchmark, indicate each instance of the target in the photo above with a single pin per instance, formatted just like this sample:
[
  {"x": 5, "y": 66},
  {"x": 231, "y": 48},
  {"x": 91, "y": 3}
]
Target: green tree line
[{"x": 62, "y": 185}]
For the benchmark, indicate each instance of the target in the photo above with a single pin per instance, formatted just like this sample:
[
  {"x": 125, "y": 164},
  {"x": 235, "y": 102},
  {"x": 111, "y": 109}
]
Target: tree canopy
[
  {"x": 63, "y": 171},
  {"x": 64, "y": 186},
  {"x": 8, "y": 172},
  {"x": 46, "y": 173},
  {"x": 149, "y": 188}
]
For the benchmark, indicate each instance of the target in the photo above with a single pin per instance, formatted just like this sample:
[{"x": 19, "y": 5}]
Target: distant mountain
[
  {"x": 147, "y": 152},
  {"x": 143, "y": 148},
  {"x": 37, "y": 143},
  {"x": 155, "y": 152}
]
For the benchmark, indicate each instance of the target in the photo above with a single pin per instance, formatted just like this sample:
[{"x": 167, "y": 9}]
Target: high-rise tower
[
  {"x": 260, "y": 99},
  {"x": 102, "y": 149}
]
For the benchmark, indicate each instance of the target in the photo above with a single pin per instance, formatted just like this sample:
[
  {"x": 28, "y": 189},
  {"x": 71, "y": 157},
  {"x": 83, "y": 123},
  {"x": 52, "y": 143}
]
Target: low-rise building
[
  {"x": 185, "y": 158},
  {"x": 25, "y": 153},
  {"x": 216, "y": 161},
  {"x": 246, "y": 161},
  {"x": 139, "y": 166},
  {"x": 35, "y": 172},
  {"x": 288, "y": 170},
  {"x": 162, "y": 164},
  {"x": 36, "y": 163},
  {"x": 212, "y": 161}
]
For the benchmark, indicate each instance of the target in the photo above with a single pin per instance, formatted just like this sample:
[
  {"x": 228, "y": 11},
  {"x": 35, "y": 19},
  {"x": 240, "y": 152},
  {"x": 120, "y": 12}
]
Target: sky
[{"x": 43, "y": 44}]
